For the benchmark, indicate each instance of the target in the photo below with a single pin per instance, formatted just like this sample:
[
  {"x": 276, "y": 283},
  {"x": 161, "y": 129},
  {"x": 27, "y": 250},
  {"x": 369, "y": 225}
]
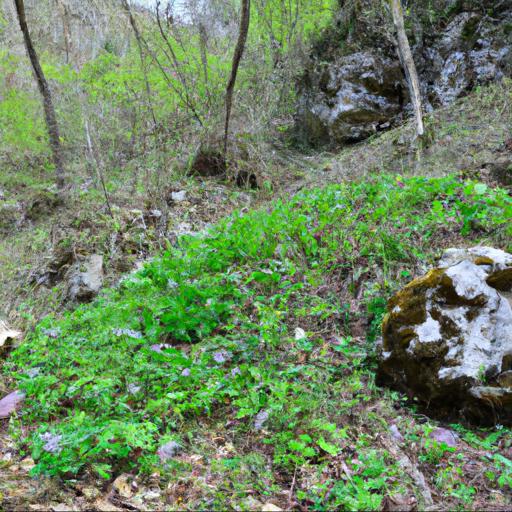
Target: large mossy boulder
[{"x": 447, "y": 337}]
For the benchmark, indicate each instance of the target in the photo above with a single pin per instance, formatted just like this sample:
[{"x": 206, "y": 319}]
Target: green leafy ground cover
[{"x": 206, "y": 335}]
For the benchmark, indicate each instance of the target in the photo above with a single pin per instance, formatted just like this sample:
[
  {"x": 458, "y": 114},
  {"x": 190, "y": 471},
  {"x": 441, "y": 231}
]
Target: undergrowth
[{"x": 228, "y": 324}]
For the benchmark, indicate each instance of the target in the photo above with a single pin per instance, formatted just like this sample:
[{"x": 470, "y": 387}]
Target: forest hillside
[{"x": 255, "y": 255}]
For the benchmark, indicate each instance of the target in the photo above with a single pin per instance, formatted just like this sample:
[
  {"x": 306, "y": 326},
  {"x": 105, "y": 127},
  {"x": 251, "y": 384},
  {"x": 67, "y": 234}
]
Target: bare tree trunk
[
  {"x": 95, "y": 156},
  {"x": 176, "y": 64},
  {"x": 203, "y": 47},
  {"x": 405, "y": 53},
  {"x": 64, "y": 14},
  {"x": 138, "y": 38},
  {"x": 42, "y": 84},
  {"x": 237, "y": 56}
]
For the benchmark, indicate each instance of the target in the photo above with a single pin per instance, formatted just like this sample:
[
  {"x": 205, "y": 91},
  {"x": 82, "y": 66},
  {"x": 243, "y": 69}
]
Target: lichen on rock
[{"x": 447, "y": 336}]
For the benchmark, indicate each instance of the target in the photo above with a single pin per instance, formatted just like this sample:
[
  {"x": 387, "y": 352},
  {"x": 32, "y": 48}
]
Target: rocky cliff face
[{"x": 354, "y": 85}]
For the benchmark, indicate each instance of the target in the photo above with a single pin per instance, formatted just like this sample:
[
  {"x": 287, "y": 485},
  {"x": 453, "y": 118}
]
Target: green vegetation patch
[{"x": 231, "y": 324}]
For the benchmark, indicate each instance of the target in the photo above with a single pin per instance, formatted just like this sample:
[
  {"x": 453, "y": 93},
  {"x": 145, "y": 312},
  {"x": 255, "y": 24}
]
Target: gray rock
[
  {"x": 481, "y": 255},
  {"x": 443, "y": 435},
  {"x": 179, "y": 196},
  {"x": 349, "y": 99},
  {"x": 10, "y": 403},
  {"x": 168, "y": 451},
  {"x": 395, "y": 433},
  {"x": 261, "y": 419},
  {"x": 86, "y": 279},
  {"x": 351, "y": 90},
  {"x": 447, "y": 336},
  {"x": 466, "y": 53}
]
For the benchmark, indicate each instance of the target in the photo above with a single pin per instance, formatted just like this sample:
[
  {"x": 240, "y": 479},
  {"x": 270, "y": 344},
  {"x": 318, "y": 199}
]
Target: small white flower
[{"x": 300, "y": 334}]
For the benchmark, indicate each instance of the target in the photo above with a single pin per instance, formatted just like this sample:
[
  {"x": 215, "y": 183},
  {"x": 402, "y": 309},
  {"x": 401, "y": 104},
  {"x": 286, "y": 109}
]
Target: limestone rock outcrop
[
  {"x": 349, "y": 99},
  {"x": 447, "y": 337},
  {"x": 353, "y": 85},
  {"x": 86, "y": 279}
]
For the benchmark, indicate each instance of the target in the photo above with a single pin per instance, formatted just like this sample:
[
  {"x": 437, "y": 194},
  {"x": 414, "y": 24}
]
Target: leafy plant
[{"x": 209, "y": 326}]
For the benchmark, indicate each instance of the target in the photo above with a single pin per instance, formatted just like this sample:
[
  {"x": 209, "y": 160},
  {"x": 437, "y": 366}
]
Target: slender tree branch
[
  {"x": 237, "y": 56},
  {"x": 44, "y": 89},
  {"x": 406, "y": 57}
]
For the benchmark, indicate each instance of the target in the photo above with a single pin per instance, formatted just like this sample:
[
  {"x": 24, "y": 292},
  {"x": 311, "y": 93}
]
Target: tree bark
[
  {"x": 406, "y": 57},
  {"x": 42, "y": 84},
  {"x": 203, "y": 48},
  {"x": 237, "y": 56},
  {"x": 138, "y": 38},
  {"x": 64, "y": 14}
]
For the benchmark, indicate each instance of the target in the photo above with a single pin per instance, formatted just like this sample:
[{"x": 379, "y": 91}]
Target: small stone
[
  {"x": 33, "y": 372},
  {"x": 443, "y": 435},
  {"x": 270, "y": 507},
  {"x": 179, "y": 196},
  {"x": 168, "y": 451},
  {"x": 122, "y": 485},
  {"x": 300, "y": 334},
  {"x": 261, "y": 419},
  {"x": 10, "y": 403},
  {"x": 86, "y": 280},
  {"x": 395, "y": 433},
  {"x": 133, "y": 388}
]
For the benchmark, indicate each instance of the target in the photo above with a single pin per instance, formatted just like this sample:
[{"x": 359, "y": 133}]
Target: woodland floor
[{"x": 462, "y": 139}]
